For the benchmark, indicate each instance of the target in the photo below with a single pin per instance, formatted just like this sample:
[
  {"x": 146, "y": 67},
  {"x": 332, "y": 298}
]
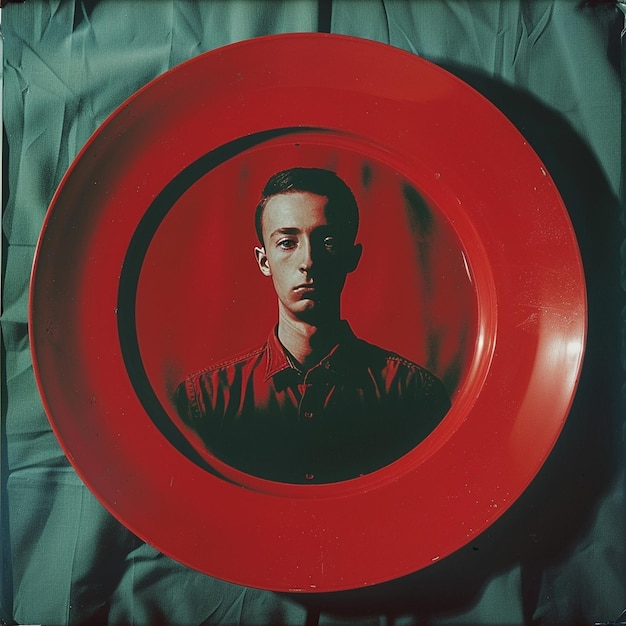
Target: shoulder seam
[
  {"x": 226, "y": 363},
  {"x": 390, "y": 356}
]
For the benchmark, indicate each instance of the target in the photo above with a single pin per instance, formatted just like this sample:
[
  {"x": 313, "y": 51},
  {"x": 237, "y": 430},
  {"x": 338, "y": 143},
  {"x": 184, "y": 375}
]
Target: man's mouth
[{"x": 305, "y": 288}]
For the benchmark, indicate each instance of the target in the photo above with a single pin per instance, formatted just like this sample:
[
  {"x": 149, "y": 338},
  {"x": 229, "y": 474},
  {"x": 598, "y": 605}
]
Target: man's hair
[{"x": 341, "y": 206}]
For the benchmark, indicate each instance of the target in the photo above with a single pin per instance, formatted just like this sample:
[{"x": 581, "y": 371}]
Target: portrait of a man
[{"x": 314, "y": 403}]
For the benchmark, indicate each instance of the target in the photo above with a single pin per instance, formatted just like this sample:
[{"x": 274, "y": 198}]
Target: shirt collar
[
  {"x": 276, "y": 356},
  {"x": 336, "y": 361}
]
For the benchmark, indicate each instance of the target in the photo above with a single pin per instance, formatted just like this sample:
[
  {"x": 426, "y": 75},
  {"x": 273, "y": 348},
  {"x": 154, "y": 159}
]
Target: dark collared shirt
[{"x": 358, "y": 409}]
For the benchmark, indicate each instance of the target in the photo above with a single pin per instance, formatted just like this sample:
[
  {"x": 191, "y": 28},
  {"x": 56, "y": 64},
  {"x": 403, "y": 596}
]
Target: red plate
[{"x": 144, "y": 273}]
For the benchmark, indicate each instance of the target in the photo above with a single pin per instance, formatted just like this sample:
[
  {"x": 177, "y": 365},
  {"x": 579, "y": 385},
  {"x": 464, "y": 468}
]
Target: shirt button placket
[
  {"x": 306, "y": 410},
  {"x": 307, "y": 403},
  {"x": 309, "y": 409}
]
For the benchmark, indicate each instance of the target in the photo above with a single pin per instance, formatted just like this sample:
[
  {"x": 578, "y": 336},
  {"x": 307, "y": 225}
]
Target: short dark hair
[{"x": 341, "y": 202}]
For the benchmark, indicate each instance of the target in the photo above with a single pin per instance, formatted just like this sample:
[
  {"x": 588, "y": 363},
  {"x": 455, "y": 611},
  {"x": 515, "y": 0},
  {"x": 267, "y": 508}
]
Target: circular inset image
[
  {"x": 223, "y": 322},
  {"x": 318, "y": 311}
]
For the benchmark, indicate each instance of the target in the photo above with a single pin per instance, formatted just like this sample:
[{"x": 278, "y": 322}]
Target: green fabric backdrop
[{"x": 553, "y": 67}]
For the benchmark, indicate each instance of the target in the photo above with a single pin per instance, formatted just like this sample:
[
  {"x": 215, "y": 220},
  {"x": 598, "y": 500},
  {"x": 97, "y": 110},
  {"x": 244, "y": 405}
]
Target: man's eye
[
  {"x": 286, "y": 244},
  {"x": 329, "y": 243}
]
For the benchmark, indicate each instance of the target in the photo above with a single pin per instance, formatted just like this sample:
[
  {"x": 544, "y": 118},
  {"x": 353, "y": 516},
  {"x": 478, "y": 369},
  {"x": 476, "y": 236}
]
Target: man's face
[{"x": 306, "y": 256}]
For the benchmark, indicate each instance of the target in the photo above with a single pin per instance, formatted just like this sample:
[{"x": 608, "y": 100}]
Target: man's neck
[{"x": 308, "y": 343}]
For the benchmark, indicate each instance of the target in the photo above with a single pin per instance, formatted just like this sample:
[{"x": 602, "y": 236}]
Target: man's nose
[{"x": 306, "y": 256}]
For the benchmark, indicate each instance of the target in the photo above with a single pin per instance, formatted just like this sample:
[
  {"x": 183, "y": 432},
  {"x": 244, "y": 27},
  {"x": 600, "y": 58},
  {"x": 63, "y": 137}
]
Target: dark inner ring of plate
[{"x": 131, "y": 271}]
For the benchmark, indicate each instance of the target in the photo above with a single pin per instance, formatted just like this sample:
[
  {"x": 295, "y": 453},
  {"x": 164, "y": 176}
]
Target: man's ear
[
  {"x": 262, "y": 261},
  {"x": 354, "y": 257}
]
